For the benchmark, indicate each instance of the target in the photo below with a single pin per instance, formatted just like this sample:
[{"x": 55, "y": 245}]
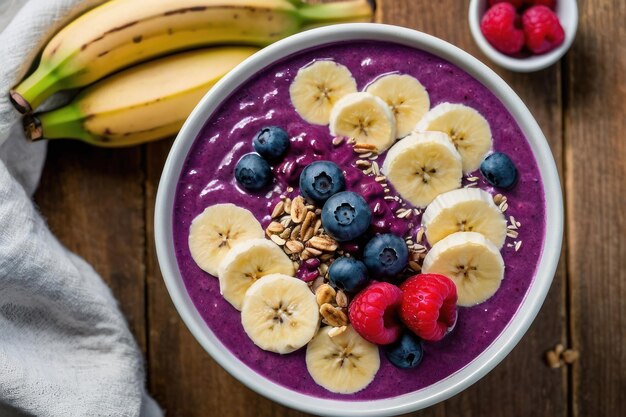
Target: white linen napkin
[{"x": 65, "y": 348}]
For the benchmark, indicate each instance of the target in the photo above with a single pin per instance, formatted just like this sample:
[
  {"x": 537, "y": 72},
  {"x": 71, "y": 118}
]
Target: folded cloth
[{"x": 65, "y": 348}]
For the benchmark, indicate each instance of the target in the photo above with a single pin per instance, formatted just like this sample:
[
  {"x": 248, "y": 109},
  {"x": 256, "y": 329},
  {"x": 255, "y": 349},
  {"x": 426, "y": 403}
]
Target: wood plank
[
  {"x": 521, "y": 385},
  {"x": 595, "y": 153},
  {"x": 93, "y": 201}
]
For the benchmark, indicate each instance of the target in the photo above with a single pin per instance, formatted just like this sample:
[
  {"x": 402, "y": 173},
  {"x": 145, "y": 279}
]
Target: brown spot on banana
[{"x": 185, "y": 10}]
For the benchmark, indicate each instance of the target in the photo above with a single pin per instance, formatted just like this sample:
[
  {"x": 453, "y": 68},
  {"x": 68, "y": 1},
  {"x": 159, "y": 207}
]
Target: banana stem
[
  {"x": 337, "y": 11},
  {"x": 63, "y": 123},
  {"x": 34, "y": 89}
]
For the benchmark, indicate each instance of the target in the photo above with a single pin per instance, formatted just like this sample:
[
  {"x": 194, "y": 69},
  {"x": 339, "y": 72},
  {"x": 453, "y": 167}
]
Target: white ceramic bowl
[
  {"x": 566, "y": 10},
  {"x": 442, "y": 389}
]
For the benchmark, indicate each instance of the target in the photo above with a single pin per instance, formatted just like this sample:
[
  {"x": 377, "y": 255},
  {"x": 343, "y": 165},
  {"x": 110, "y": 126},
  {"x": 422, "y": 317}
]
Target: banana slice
[
  {"x": 365, "y": 118},
  {"x": 216, "y": 230},
  {"x": 407, "y": 98},
  {"x": 423, "y": 165},
  {"x": 471, "y": 261},
  {"x": 247, "y": 262},
  {"x": 467, "y": 128},
  {"x": 464, "y": 210},
  {"x": 344, "y": 363},
  {"x": 279, "y": 313},
  {"x": 317, "y": 87}
]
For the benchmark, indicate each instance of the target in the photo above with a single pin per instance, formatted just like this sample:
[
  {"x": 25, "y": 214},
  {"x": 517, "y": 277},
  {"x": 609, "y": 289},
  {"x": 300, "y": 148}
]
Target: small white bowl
[
  {"x": 566, "y": 10},
  {"x": 429, "y": 395}
]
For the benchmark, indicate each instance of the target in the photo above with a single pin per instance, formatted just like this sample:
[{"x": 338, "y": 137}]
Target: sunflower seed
[
  {"x": 286, "y": 233},
  {"x": 363, "y": 163},
  {"x": 315, "y": 284},
  {"x": 274, "y": 228},
  {"x": 336, "y": 331},
  {"x": 308, "y": 235},
  {"x": 341, "y": 299},
  {"x": 406, "y": 213},
  {"x": 338, "y": 140},
  {"x": 318, "y": 225},
  {"x": 278, "y": 240},
  {"x": 278, "y": 209},
  {"x": 287, "y": 208},
  {"x": 295, "y": 232},
  {"x": 415, "y": 267},
  {"x": 375, "y": 168},
  {"x": 313, "y": 252},
  {"x": 420, "y": 235},
  {"x": 380, "y": 178},
  {"x": 518, "y": 245}
]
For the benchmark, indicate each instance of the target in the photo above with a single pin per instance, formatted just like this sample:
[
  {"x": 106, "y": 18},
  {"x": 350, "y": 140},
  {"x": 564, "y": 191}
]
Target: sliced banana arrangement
[
  {"x": 216, "y": 230},
  {"x": 366, "y": 119},
  {"x": 246, "y": 263},
  {"x": 345, "y": 363},
  {"x": 423, "y": 165},
  {"x": 318, "y": 87},
  {"x": 468, "y": 130},
  {"x": 407, "y": 98},
  {"x": 471, "y": 261},
  {"x": 279, "y": 313},
  {"x": 464, "y": 210},
  {"x": 427, "y": 154}
]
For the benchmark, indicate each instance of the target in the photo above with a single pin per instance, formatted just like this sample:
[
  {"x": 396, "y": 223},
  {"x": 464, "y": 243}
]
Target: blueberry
[
  {"x": 271, "y": 142},
  {"x": 499, "y": 170},
  {"x": 348, "y": 274},
  {"x": 406, "y": 352},
  {"x": 320, "y": 180},
  {"x": 346, "y": 216},
  {"x": 253, "y": 172},
  {"x": 386, "y": 255}
]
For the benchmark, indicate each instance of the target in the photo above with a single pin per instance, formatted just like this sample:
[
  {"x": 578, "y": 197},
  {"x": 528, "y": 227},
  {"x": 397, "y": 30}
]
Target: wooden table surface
[{"x": 100, "y": 203}]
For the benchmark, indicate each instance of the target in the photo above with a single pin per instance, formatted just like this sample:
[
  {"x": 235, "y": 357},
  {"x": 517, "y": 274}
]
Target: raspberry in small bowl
[{"x": 523, "y": 35}]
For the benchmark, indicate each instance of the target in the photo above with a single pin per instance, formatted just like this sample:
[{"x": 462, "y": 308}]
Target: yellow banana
[
  {"x": 146, "y": 102},
  {"x": 120, "y": 33}
]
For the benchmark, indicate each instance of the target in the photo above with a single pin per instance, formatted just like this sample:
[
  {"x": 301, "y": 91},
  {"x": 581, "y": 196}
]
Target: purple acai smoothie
[{"x": 207, "y": 178}]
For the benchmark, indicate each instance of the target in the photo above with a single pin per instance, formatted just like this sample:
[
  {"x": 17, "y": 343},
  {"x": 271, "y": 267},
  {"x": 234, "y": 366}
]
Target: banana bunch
[
  {"x": 146, "y": 102},
  {"x": 152, "y": 99}
]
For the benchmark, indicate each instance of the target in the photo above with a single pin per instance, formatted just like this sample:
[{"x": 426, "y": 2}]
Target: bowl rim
[
  {"x": 432, "y": 394},
  {"x": 534, "y": 62}
]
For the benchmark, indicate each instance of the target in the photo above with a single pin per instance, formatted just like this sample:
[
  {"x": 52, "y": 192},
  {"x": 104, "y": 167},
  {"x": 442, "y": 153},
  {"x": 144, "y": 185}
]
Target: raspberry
[
  {"x": 516, "y": 3},
  {"x": 373, "y": 313},
  {"x": 428, "y": 305},
  {"x": 548, "y": 3},
  {"x": 502, "y": 29},
  {"x": 542, "y": 29}
]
